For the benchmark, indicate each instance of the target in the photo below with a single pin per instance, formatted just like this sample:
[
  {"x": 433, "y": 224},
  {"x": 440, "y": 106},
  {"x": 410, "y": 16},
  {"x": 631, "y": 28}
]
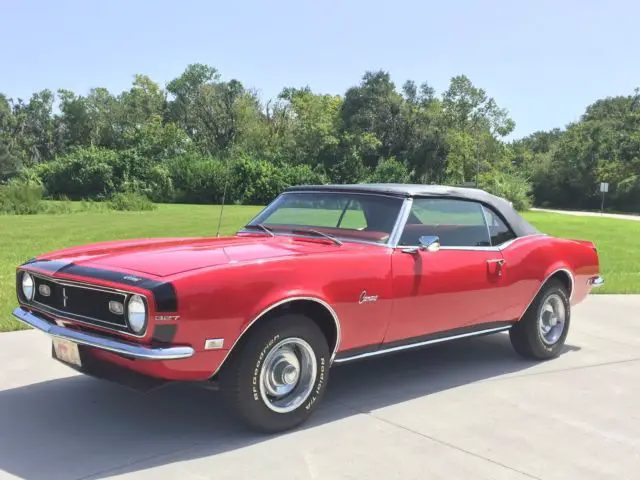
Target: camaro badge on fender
[{"x": 364, "y": 298}]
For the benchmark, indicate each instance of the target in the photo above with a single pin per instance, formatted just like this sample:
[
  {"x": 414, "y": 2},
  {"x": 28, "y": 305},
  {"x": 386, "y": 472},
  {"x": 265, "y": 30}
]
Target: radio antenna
[{"x": 224, "y": 194}]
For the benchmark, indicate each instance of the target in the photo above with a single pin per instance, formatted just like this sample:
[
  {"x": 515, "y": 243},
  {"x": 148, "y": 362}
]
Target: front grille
[{"x": 78, "y": 302}]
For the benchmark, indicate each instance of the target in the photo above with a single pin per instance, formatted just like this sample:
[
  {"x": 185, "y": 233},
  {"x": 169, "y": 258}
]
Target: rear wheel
[
  {"x": 275, "y": 380},
  {"x": 541, "y": 332}
]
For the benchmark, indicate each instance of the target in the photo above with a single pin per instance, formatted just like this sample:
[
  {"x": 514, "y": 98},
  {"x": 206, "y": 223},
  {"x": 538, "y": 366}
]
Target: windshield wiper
[
  {"x": 317, "y": 232},
  {"x": 261, "y": 227}
]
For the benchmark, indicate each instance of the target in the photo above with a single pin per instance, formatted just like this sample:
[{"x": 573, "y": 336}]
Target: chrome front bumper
[
  {"x": 104, "y": 343},
  {"x": 596, "y": 281}
]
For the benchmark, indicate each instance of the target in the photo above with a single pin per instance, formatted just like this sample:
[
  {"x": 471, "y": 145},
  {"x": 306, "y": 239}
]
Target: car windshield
[{"x": 348, "y": 216}]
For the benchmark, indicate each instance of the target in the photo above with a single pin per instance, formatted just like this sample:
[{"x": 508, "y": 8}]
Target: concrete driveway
[{"x": 466, "y": 410}]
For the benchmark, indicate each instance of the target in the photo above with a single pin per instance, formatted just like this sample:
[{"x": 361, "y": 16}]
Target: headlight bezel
[
  {"x": 26, "y": 275},
  {"x": 140, "y": 301}
]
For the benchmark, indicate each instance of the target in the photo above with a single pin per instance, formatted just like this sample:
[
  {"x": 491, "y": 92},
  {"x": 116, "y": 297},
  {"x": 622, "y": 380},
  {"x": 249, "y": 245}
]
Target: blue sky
[{"x": 544, "y": 61}]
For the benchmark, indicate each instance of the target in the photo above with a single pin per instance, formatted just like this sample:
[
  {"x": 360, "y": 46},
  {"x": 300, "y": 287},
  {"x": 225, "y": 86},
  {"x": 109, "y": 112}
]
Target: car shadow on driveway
[{"x": 79, "y": 427}]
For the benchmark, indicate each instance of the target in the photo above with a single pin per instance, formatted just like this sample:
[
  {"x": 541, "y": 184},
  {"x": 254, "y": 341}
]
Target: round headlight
[
  {"x": 137, "y": 313},
  {"x": 27, "y": 286}
]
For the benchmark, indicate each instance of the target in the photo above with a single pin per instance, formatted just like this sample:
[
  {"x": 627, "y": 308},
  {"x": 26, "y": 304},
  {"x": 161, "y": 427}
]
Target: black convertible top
[{"x": 504, "y": 208}]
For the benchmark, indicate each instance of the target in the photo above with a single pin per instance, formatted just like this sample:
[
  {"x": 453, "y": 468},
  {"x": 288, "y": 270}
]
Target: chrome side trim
[
  {"x": 401, "y": 221},
  {"x": 97, "y": 341},
  {"x": 542, "y": 284},
  {"x": 334, "y": 315},
  {"x": 596, "y": 281},
  {"x": 383, "y": 350},
  {"x": 496, "y": 248}
]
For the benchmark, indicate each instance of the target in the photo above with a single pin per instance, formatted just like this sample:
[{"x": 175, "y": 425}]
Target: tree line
[{"x": 201, "y": 137}]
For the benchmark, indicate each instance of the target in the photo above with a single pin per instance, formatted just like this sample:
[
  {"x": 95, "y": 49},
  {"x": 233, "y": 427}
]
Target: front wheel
[
  {"x": 277, "y": 377},
  {"x": 541, "y": 332}
]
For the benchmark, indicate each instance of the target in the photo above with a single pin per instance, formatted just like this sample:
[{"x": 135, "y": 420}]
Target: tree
[
  {"x": 181, "y": 142},
  {"x": 144, "y": 102},
  {"x": 313, "y": 124},
  {"x": 468, "y": 108},
  {"x": 376, "y": 108},
  {"x": 185, "y": 90}
]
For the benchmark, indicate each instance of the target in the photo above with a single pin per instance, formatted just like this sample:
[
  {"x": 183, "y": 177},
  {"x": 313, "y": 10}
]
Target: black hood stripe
[
  {"x": 52, "y": 266},
  {"x": 164, "y": 293}
]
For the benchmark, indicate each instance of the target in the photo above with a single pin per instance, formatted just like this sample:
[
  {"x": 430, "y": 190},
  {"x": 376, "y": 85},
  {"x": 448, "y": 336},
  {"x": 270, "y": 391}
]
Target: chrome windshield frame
[{"x": 394, "y": 234}]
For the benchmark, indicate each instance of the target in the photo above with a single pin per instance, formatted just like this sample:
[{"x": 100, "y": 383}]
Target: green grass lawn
[{"x": 22, "y": 237}]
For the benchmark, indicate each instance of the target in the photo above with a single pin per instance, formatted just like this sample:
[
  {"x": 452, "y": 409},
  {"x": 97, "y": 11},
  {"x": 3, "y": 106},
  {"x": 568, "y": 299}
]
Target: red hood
[{"x": 168, "y": 256}]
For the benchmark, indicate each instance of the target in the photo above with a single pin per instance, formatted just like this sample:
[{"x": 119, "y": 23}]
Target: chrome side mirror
[{"x": 429, "y": 243}]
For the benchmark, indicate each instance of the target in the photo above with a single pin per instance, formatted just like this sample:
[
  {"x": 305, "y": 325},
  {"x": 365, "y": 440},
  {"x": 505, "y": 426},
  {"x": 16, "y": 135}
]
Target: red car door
[{"x": 456, "y": 286}]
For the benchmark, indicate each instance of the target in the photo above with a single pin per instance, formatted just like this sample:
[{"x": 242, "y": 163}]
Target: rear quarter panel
[{"x": 531, "y": 260}]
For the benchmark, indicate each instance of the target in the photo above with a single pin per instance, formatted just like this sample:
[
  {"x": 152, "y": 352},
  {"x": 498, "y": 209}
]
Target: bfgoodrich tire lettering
[
  {"x": 247, "y": 388},
  {"x": 527, "y": 336}
]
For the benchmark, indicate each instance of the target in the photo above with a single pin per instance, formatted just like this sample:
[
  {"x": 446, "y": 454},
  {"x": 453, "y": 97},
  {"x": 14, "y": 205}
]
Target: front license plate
[{"x": 67, "y": 351}]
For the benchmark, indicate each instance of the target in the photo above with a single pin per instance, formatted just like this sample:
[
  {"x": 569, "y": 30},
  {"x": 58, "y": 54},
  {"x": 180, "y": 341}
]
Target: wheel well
[
  {"x": 316, "y": 311},
  {"x": 565, "y": 278}
]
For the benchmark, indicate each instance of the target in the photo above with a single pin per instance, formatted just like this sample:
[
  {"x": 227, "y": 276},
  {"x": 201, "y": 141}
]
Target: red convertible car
[{"x": 323, "y": 275}]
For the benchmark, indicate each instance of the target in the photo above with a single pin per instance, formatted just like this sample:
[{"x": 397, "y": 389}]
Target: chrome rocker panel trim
[
  {"x": 408, "y": 346},
  {"x": 104, "y": 343}
]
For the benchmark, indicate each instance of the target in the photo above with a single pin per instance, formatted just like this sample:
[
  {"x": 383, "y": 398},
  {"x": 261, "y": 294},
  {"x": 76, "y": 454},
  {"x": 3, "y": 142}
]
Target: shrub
[
  {"x": 196, "y": 179},
  {"x": 389, "y": 170},
  {"x": 58, "y": 208},
  {"x": 21, "y": 198},
  {"x": 302, "y": 175},
  {"x": 511, "y": 186},
  {"x": 130, "y": 201},
  {"x": 160, "y": 185},
  {"x": 84, "y": 173},
  {"x": 626, "y": 194},
  {"x": 255, "y": 182}
]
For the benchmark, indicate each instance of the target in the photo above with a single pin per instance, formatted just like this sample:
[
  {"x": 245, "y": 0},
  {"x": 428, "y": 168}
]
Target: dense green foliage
[
  {"x": 20, "y": 198},
  {"x": 201, "y": 138}
]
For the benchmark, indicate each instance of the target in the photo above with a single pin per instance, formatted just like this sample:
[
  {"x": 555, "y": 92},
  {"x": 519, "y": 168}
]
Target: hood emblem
[
  {"x": 364, "y": 298},
  {"x": 131, "y": 278}
]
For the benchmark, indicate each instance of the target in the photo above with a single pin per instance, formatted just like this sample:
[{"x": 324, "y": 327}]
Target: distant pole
[
  {"x": 604, "y": 188},
  {"x": 477, "y": 163}
]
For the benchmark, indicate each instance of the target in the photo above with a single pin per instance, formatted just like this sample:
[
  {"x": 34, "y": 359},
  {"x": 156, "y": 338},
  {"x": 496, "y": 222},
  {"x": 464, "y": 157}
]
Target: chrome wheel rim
[
  {"x": 552, "y": 319},
  {"x": 287, "y": 375}
]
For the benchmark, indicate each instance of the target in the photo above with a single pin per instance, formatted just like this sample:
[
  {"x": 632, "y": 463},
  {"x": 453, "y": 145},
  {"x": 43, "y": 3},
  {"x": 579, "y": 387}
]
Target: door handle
[{"x": 499, "y": 263}]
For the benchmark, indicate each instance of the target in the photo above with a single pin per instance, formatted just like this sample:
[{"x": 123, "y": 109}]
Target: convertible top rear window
[{"x": 350, "y": 216}]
